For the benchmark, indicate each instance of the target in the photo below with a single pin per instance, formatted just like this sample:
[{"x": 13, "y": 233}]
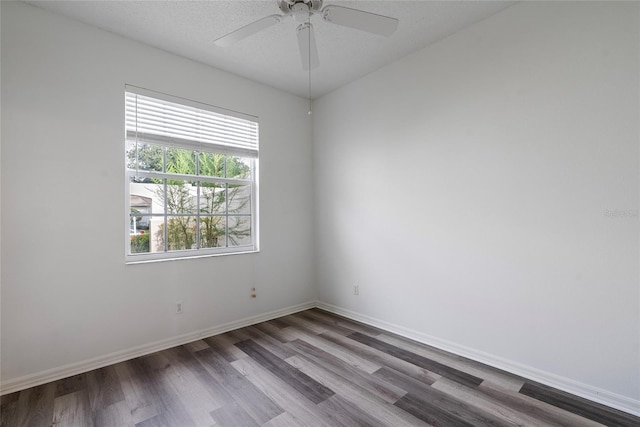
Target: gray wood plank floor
[{"x": 312, "y": 368}]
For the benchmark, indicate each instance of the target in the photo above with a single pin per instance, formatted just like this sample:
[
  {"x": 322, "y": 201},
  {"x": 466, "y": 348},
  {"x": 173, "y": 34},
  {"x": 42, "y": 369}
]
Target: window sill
[{"x": 130, "y": 261}]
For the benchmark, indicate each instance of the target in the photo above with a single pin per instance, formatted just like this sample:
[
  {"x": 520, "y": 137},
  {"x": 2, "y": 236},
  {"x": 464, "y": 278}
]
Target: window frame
[{"x": 196, "y": 147}]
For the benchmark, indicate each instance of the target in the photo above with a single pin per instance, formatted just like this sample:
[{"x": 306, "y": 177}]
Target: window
[{"x": 191, "y": 178}]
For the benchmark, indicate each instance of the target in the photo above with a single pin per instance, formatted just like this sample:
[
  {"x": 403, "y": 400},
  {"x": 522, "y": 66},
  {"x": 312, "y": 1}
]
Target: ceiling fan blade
[
  {"x": 360, "y": 20},
  {"x": 248, "y": 30},
  {"x": 307, "y": 44}
]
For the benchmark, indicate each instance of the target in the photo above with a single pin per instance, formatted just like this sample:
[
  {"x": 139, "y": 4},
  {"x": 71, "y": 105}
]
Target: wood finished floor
[{"x": 308, "y": 369}]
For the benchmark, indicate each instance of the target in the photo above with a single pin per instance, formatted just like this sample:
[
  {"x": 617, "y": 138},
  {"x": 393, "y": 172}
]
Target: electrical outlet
[
  {"x": 179, "y": 308},
  {"x": 356, "y": 289}
]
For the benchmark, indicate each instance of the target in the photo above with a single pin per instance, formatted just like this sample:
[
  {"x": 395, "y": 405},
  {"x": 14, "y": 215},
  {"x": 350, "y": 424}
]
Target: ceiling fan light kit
[{"x": 302, "y": 11}]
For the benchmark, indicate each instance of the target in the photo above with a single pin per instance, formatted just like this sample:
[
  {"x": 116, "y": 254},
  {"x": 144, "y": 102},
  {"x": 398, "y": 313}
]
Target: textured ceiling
[{"x": 188, "y": 28}]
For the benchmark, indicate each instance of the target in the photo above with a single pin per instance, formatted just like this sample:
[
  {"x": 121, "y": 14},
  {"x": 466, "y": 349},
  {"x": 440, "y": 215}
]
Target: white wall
[
  {"x": 67, "y": 295},
  {"x": 466, "y": 187}
]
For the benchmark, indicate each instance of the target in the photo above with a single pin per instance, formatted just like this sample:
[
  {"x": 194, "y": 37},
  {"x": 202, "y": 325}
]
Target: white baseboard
[
  {"x": 595, "y": 394},
  {"x": 54, "y": 374}
]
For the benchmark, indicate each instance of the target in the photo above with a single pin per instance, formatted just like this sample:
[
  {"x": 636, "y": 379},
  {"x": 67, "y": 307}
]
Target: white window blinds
[{"x": 153, "y": 118}]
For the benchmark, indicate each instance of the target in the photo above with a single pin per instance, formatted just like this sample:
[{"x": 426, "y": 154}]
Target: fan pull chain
[{"x": 309, "y": 59}]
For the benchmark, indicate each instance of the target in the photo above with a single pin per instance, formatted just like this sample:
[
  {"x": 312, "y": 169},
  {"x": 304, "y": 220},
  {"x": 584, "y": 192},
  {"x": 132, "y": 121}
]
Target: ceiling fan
[{"x": 301, "y": 11}]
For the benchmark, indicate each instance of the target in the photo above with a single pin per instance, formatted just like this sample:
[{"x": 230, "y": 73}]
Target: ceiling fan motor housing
[{"x": 289, "y": 6}]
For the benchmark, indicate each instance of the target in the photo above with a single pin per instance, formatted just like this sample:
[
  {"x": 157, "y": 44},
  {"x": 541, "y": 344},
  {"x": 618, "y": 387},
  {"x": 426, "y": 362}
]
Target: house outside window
[{"x": 191, "y": 178}]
